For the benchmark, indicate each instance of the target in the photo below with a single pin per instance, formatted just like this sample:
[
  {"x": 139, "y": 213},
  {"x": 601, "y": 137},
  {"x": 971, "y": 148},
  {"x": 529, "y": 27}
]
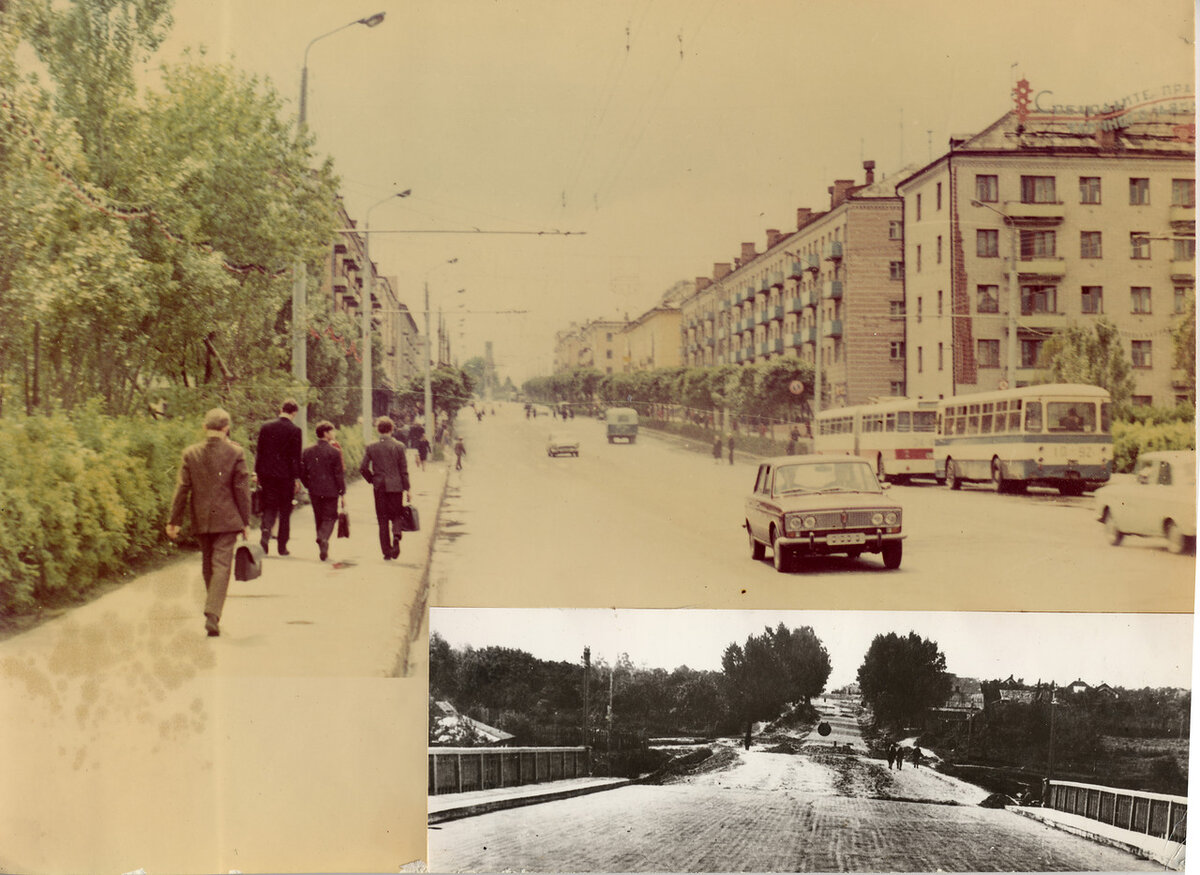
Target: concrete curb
[
  {"x": 519, "y": 802},
  {"x": 1172, "y": 861}
]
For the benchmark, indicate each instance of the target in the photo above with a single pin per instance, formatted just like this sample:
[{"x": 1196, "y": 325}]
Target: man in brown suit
[
  {"x": 214, "y": 483},
  {"x": 385, "y": 466}
]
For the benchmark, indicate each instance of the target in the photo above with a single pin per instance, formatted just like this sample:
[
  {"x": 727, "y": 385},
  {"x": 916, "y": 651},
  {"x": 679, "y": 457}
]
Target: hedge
[
  {"x": 1132, "y": 438},
  {"x": 88, "y": 496}
]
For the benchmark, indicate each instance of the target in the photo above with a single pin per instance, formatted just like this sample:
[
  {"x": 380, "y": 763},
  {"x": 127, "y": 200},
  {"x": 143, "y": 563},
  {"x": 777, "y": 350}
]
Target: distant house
[
  {"x": 1106, "y": 690},
  {"x": 1078, "y": 686},
  {"x": 455, "y": 728}
]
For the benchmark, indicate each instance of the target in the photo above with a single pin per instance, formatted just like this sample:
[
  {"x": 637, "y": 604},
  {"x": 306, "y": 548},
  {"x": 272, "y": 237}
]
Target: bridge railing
[
  {"x": 1152, "y": 814},
  {"x": 464, "y": 769}
]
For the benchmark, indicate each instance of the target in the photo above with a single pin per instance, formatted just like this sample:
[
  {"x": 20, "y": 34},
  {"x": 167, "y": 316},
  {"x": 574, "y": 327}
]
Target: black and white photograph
[
  {"x": 318, "y": 316},
  {"x": 580, "y": 740}
]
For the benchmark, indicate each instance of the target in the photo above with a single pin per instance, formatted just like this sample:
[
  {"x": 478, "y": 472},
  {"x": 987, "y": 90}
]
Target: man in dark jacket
[
  {"x": 323, "y": 474},
  {"x": 214, "y": 484},
  {"x": 385, "y": 466},
  {"x": 277, "y": 471}
]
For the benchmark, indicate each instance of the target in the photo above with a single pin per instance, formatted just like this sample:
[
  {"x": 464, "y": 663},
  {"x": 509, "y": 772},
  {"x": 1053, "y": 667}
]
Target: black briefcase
[
  {"x": 247, "y": 561},
  {"x": 410, "y": 519},
  {"x": 256, "y": 502}
]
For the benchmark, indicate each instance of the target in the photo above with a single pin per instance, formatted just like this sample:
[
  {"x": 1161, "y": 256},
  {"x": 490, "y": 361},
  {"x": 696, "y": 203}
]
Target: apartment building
[
  {"x": 698, "y": 318},
  {"x": 1039, "y": 222},
  {"x": 651, "y": 340},
  {"x": 594, "y": 344}
]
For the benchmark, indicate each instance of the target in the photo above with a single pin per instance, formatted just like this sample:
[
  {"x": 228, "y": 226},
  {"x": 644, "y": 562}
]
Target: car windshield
[{"x": 851, "y": 475}]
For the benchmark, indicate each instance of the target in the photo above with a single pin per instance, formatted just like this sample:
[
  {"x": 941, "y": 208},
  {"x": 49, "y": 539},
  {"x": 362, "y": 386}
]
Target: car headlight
[
  {"x": 877, "y": 519},
  {"x": 810, "y": 522},
  {"x": 892, "y": 518}
]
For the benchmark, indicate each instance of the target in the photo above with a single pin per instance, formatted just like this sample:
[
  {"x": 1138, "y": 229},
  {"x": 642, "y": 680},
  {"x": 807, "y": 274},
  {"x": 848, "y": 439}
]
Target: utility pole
[{"x": 587, "y": 678}]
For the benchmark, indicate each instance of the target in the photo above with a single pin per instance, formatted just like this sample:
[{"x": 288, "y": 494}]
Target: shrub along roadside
[{"x": 87, "y": 497}]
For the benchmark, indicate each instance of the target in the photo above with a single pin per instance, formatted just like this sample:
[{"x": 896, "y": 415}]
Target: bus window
[
  {"x": 1070, "y": 416},
  {"x": 1033, "y": 416},
  {"x": 904, "y": 421},
  {"x": 985, "y": 424},
  {"x": 998, "y": 425},
  {"x": 1105, "y": 417},
  {"x": 924, "y": 420}
]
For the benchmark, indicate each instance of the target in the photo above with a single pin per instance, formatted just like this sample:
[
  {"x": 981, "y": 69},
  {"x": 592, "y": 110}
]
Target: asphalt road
[{"x": 654, "y": 524}]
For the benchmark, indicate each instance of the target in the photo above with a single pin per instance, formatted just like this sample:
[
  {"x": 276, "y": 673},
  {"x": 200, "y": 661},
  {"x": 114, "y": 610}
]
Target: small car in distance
[
  {"x": 819, "y": 505},
  {"x": 562, "y": 444},
  {"x": 1159, "y": 500}
]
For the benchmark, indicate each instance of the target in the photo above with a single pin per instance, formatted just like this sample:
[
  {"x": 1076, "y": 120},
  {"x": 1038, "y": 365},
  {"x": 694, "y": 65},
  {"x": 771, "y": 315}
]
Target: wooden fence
[
  {"x": 463, "y": 769},
  {"x": 1152, "y": 814}
]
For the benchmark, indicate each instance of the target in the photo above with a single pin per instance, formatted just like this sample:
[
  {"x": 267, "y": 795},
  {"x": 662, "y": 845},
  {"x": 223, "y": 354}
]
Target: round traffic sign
[
  {"x": 824, "y": 728},
  {"x": 796, "y": 387}
]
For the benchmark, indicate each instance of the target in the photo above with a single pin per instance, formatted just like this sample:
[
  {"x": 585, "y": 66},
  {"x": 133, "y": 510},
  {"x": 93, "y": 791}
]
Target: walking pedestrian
[
  {"x": 385, "y": 467},
  {"x": 277, "y": 472},
  {"x": 916, "y": 756},
  {"x": 899, "y": 758},
  {"x": 322, "y": 471},
  {"x": 716, "y": 450},
  {"x": 460, "y": 450},
  {"x": 214, "y": 485},
  {"x": 730, "y": 441},
  {"x": 891, "y": 755}
]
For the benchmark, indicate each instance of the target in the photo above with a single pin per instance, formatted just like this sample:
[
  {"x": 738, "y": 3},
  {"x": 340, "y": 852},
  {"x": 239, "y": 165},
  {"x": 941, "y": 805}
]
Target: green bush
[{"x": 1132, "y": 438}]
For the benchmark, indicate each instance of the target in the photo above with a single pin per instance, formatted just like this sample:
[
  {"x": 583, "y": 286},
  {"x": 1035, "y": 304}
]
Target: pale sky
[
  {"x": 668, "y": 131},
  {"x": 1126, "y": 650}
]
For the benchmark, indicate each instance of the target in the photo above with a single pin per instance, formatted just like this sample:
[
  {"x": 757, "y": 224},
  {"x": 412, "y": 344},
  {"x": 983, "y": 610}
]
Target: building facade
[
  {"x": 594, "y": 344},
  {"x": 1038, "y": 223},
  {"x": 652, "y": 340}
]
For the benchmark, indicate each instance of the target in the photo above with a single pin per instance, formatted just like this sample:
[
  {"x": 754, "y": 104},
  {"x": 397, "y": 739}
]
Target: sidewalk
[
  {"x": 1169, "y": 854},
  {"x": 453, "y": 806}
]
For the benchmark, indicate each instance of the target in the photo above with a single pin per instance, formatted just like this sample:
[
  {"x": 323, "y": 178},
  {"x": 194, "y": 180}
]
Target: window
[
  {"x": 918, "y": 258},
  {"x": 939, "y": 195},
  {"x": 1091, "y": 299},
  {"x": 1038, "y": 190},
  {"x": 1182, "y": 295},
  {"x": 896, "y": 270},
  {"x": 918, "y": 208},
  {"x": 1089, "y": 244},
  {"x": 895, "y": 230},
  {"x": 1139, "y": 297},
  {"x": 898, "y": 388},
  {"x": 1141, "y": 354},
  {"x": 1139, "y": 191},
  {"x": 987, "y": 299},
  {"x": 1183, "y": 192},
  {"x": 897, "y": 350},
  {"x": 1139, "y": 245},
  {"x": 1039, "y": 299},
  {"x": 608, "y": 354},
  {"x": 987, "y": 188},
  {"x": 920, "y": 301},
  {"x": 988, "y": 354},
  {"x": 939, "y": 302},
  {"x": 1185, "y": 249},
  {"x": 1031, "y": 351},
  {"x": 896, "y": 308},
  {"x": 987, "y": 243},
  {"x": 1037, "y": 244},
  {"x": 1089, "y": 189},
  {"x": 939, "y": 248},
  {"x": 608, "y": 337},
  {"x": 940, "y": 358},
  {"x": 920, "y": 359}
]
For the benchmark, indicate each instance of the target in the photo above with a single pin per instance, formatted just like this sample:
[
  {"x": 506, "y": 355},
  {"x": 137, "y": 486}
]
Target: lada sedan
[
  {"x": 562, "y": 444},
  {"x": 818, "y": 505},
  {"x": 1158, "y": 500}
]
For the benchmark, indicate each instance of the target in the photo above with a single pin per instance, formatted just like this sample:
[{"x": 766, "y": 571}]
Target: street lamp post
[
  {"x": 368, "y": 411},
  {"x": 300, "y": 273},
  {"x": 429, "y": 419},
  {"x": 1014, "y": 302}
]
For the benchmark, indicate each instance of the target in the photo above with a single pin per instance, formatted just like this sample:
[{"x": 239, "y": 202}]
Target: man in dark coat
[
  {"x": 323, "y": 474},
  {"x": 385, "y": 467},
  {"x": 277, "y": 471},
  {"x": 214, "y": 485}
]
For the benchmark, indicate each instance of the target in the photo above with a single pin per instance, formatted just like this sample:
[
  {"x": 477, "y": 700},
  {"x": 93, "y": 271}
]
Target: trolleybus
[
  {"x": 1057, "y": 435},
  {"x": 896, "y": 436}
]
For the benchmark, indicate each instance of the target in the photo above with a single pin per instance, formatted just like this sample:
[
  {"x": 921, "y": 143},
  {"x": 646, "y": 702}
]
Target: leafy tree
[
  {"x": 474, "y": 368},
  {"x": 1184, "y": 337},
  {"x": 771, "y": 670},
  {"x": 901, "y": 677},
  {"x": 1095, "y": 357}
]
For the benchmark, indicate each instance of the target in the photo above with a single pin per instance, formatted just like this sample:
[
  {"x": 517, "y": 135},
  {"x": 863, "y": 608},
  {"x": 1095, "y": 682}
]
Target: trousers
[
  {"x": 325, "y": 514},
  {"x": 277, "y": 498},
  {"x": 216, "y": 564},
  {"x": 388, "y": 508}
]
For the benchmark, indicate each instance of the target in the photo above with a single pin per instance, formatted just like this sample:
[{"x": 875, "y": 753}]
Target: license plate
[{"x": 845, "y": 538}]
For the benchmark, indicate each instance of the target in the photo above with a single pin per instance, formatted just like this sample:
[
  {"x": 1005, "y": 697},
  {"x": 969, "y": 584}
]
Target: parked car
[
  {"x": 560, "y": 444},
  {"x": 820, "y": 504},
  {"x": 1159, "y": 500}
]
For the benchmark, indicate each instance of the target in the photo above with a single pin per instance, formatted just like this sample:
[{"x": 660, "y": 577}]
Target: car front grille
[{"x": 855, "y": 519}]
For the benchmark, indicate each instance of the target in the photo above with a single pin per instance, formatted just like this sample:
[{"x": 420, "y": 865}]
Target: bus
[
  {"x": 896, "y": 436},
  {"x": 1057, "y": 435}
]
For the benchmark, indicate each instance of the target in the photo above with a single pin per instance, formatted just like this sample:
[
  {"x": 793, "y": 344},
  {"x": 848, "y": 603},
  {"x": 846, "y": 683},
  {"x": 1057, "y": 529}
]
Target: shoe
[
  {"x": 282, "y": 551},
  {"x": 324, "y": 547},
  {"x": 266, "y": 544},
  {"x": 210, "y": 625},
  {"x": 396, "y": 547}
]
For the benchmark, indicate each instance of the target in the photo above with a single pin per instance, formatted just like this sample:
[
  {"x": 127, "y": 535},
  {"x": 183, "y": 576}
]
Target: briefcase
[
  {"x": 247, "y": 561},
  {"x": 410, "y": 519},
  {"x": 343, "y": 526},
  {"x": 256, "y": 502}
]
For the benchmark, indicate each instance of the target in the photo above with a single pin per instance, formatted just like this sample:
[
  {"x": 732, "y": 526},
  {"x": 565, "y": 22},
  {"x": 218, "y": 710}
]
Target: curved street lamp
[{"x": 368, "y": 407}]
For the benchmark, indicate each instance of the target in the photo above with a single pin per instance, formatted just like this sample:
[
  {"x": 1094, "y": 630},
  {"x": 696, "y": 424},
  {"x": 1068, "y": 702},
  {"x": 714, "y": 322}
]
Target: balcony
[
  {"x": 721, "y": 332},
  {"x": 775, "y": 345},
  {"x": 814, "y": 298},
  {"x": 710, "y": 316},
  {"x": 796, "y": 271},
  {"x": 762, "y": 349},
  {"x": 710, "y": 341},
  {"x": 833, "y": 250},
  {"x": 1036, "y": 213},
  {"x": 833, "y": 328},
  {"x": 1049, "y": 266},
  {"x": 1183, "y": 269},
  {"x": 795, "y": 305},
  {"x": 777, "y": 279},
  {"x": 691, "y": 323},
  {"x": 775, "y": 312},
  {"x": 760, "y": 317},
  {"x": 797, "y": 339},
  {"x": 726, "y": 304},
  {"x": 833, "y": 289},
  {"x": 811, "y": 262},
  {"x": 1181, "y": 215},
  {"x": 764, "y": 287}
]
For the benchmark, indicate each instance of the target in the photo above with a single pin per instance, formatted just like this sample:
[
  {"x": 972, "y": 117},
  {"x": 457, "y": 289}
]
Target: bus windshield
[{"x": 1070, "y": 416}]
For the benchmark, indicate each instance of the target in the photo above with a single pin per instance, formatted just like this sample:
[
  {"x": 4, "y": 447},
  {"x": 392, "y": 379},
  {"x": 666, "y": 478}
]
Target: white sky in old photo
[
  {"x": 667, "y": 131},
  {"x": 1125, "y": 650}
]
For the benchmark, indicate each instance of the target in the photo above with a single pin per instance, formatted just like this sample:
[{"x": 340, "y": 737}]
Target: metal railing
[
  {"x": 464, "y": 769},
  {"x": 1152, "y": 814}
]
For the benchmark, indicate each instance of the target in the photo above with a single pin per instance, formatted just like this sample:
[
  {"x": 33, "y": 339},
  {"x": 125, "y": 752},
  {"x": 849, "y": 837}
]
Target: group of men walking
[{"x": 214, "y": 485}]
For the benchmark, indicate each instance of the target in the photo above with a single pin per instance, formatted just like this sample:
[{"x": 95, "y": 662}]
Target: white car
[
  {"x": 1158, "y": 500},
  {"x": 559, "y": 444}
]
